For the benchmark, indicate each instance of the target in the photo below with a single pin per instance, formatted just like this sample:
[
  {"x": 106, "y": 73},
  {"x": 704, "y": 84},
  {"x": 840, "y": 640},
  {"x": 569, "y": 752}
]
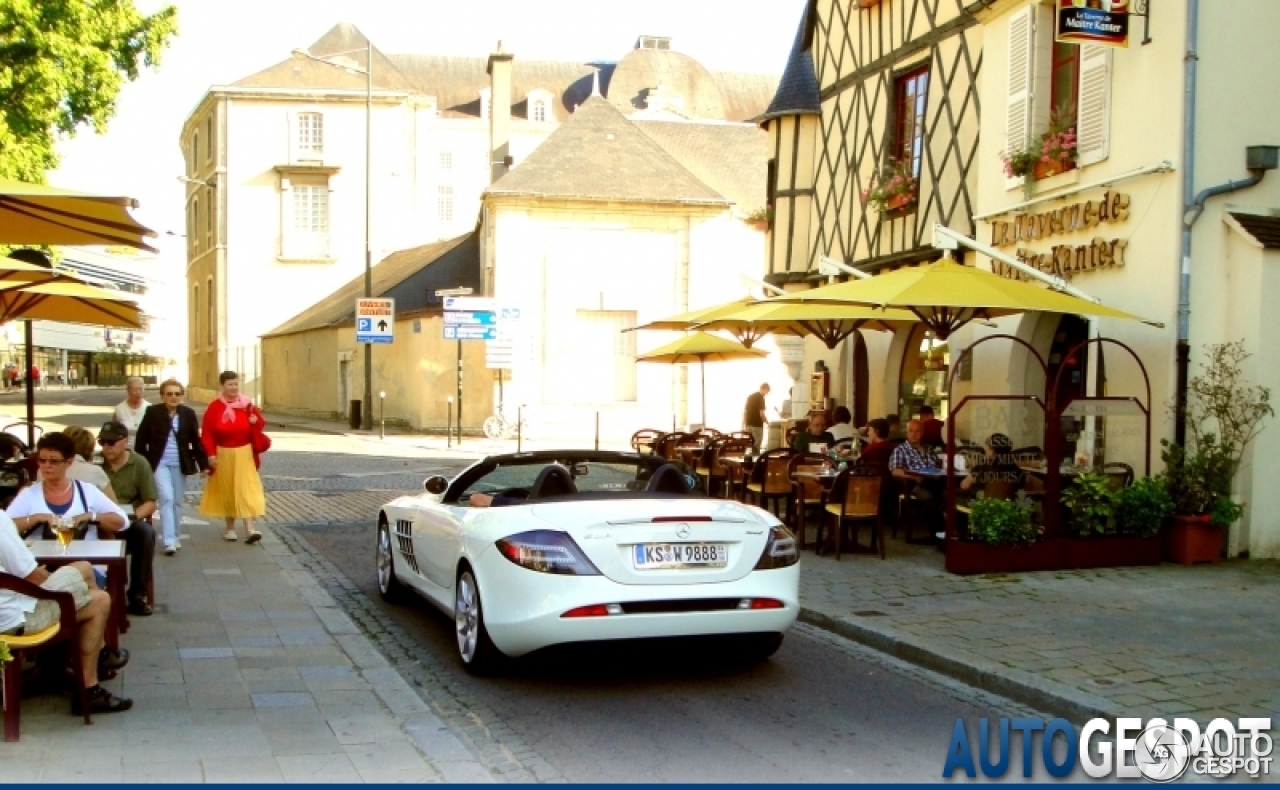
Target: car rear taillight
[
  {"x": 780, "y": 550},
  {"x": 761, "y": 603},
  {"x": 595, "y": 610},
  {"x": 546, "y": 551}
]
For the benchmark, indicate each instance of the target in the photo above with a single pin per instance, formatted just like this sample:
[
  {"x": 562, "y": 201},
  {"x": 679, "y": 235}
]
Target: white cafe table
[{"x": 110, "y": 553}]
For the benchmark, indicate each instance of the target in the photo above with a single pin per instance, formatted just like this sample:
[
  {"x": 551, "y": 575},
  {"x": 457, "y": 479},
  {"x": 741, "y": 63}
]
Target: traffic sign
[
  {"x": 375, "y": 320},
  {"x": 510, "y": 313},
  {"x": 470, "y": 332},
  {"x": 468, "y": 303},
  {"x": 499, "y": 354},
  {"x": 478, "y": 317}
]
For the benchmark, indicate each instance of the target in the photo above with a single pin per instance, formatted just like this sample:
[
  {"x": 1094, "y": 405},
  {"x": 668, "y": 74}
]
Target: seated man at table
[
  {"x": 913, "y": 455},
  {"x": 134, "y": 484},
  {"x": 998, "y": 466},
  {"x": 815, "y": 433},
  {"x": 20, "y": 614}
]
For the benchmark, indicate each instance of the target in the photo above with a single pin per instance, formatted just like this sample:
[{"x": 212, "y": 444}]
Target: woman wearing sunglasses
[{"x": 169, "y": 438}]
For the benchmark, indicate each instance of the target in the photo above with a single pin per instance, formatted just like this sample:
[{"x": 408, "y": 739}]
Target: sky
[{"x": 221, "y": 41}]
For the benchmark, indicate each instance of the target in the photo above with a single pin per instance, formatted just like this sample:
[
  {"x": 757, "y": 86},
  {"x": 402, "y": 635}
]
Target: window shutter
[
  {"x": 1022, "y": 36},
  {"x": 1093, "y": 122}
]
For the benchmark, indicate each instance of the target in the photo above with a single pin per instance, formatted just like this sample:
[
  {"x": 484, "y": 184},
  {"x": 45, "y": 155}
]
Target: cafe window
[
  {"x": 910, "y": 92},
  {"x": 1064, "y": 81}
]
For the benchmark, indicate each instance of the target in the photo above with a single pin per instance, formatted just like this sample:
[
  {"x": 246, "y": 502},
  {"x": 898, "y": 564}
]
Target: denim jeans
[{"x": 172, "y": 485}]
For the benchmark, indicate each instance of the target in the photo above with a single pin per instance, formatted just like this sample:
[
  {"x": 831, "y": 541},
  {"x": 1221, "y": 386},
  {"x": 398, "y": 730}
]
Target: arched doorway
[
  {"x": 922, "y": 378},
  {"x": 1074, "y": 381}
]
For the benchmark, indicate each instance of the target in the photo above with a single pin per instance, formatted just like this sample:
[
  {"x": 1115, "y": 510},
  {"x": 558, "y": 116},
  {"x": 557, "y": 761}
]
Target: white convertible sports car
[{"x": 536, "y": 549}]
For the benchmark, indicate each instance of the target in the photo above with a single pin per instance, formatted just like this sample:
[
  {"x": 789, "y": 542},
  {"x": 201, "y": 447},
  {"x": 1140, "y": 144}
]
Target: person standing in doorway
[
  {"x": 933, "y": 427},
  {"x": 753, "y": 416},
  {"x": 169, "y": 438},
  {"x": 234, "y": 490},
  {"x": 72, "y": 375},
  {"x": 130, "y": 410}
]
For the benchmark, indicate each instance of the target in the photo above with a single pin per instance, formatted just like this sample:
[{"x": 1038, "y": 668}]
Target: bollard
[
  {"x": 597, "y": 430},
  {"x": 448, "y": 430},
  {"x": 382, "y": 418}
]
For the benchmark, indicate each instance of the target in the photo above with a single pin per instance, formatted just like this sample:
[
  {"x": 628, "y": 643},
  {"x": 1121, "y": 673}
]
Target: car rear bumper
[{"x": 523, "y": 609}]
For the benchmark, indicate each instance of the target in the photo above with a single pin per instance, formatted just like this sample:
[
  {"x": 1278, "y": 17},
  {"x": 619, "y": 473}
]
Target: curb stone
[
  {"x": 472, "y": 742},
  {"x": 1015, "y": 684}
]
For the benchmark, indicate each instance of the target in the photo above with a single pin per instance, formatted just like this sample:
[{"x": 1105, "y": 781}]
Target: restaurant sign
[
  {"x": 1064, "y": 260},
  {"x": 1104, "y": 22}
]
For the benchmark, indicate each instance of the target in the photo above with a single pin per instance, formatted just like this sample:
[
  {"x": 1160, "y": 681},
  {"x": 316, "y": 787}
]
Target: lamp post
[{"x": 366, "y": 418}]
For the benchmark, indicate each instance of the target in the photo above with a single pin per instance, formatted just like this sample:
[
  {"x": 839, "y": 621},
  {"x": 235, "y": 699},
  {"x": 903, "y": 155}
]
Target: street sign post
[
  {"x": 455, "y": 300},
  {"x": 375, "y": 320},
  {"x": 478, "y": 317},
  {"x": 470, "y": 332}
]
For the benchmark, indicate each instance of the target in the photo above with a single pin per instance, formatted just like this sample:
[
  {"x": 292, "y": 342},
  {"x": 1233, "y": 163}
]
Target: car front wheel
[{"x": 476, "y": 650}]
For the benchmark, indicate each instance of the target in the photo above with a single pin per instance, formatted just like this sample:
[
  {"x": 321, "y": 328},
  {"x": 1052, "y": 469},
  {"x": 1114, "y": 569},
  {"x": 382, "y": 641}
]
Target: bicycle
[{"x": 499, "y": 426}]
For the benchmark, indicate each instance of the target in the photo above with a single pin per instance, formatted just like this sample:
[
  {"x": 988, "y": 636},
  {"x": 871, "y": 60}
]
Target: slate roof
[
  {"x": 1264, "y": 229},
  {"x": 731, "y": 158},
  {"x": 409, "y": 276},
  {"x": 798, "y": 92},
  {"x": 456, "y": 82},
  {"x": 597, "y": 154}
]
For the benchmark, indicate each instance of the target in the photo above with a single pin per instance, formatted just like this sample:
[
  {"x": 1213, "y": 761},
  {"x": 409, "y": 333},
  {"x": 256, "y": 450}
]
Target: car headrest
[
  {"x": 668, "y": 479},
  {"x": 553, "y": 480}
]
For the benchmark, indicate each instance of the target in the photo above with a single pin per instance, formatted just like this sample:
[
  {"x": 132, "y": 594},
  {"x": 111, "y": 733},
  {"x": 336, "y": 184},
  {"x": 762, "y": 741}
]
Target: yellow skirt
[{"x": 234, "y": 490}]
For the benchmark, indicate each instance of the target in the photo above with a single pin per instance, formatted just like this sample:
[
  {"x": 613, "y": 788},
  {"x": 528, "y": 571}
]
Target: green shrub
[
  {"x": 1001, "y": 522},
  {"x": 1142, "y": 508},
  {"x": 1225, "y": 512},
  {"x": 1092, "y": 503}
]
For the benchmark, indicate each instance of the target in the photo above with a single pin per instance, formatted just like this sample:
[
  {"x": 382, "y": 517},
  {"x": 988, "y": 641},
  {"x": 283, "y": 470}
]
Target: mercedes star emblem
[{"x": 682, "y": 531}]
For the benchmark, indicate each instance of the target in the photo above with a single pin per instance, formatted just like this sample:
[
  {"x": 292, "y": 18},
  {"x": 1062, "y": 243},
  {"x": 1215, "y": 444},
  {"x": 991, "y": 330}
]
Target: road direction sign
[
  {"x": 476, "y": 317},
  {"x": 375, "y": 320},
  {"x": 509, "y": 313},
  {"x": 468, "y": 303},
  {"x": 470, "y": 332}
]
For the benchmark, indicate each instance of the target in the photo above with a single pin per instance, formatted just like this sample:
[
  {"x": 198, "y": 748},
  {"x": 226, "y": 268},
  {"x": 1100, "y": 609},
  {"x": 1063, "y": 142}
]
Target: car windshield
[{"x": 595, "y": 476}]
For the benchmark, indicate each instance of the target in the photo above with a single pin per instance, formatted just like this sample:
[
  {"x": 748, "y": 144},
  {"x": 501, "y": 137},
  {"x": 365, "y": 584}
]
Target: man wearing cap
[{"x": 134, "y": 484}]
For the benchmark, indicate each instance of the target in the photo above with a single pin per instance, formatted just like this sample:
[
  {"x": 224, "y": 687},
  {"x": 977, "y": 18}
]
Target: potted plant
[
  {"x": 761, "y": 218},
  {"x": 1223, "y": 415},
  {"x": 1092, "y": 503},
  {"x": 1001, "y": 522},
  {"x": 1057, "y": 147},
  {"x": 1142, "y": 508},
  {"x": 895, "y": 189}
]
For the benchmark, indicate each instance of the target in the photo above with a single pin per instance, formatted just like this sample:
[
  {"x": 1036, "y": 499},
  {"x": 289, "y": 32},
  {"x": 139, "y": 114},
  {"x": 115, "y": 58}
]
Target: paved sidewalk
[
  {"x": 1165, "y": 640},
  {"x": 249, "y": 672}
]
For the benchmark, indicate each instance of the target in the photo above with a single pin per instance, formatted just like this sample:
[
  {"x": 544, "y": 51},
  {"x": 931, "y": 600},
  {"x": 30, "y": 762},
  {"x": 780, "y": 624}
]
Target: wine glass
[{"x": 64, "y": 529}]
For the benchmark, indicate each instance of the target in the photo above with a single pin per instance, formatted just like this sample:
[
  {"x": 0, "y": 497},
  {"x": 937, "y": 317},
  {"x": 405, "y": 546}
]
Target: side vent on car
[{"x": 404, "y": 537}]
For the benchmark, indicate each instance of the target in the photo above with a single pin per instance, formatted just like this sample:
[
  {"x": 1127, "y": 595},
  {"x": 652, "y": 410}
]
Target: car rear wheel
[
  {"x": 763, "y": 646},
  {"x": 389, "y": 587},
  {"x": 477, "y": 651}
]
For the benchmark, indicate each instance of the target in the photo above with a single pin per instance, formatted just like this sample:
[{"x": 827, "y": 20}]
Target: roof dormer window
[
  {"x": 654, "y": 42},
  {"x": 539, "y": 106}
]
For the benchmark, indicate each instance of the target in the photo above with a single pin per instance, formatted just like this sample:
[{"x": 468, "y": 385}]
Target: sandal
[
  {"x": 230, "y": 535},
  {"x": 254, "y": 537}
]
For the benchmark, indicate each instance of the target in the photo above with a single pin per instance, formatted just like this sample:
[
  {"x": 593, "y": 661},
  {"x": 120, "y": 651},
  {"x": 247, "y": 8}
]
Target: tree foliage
[{"x": 62, "y": 65}]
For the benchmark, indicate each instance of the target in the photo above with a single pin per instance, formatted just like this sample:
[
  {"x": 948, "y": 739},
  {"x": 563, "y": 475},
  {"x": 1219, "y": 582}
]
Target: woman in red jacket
[{"x": 234, "y": 489}]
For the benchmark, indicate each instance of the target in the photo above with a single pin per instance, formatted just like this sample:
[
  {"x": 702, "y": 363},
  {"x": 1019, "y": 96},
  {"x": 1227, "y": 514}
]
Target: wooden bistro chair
[
  {"x": 721, "y": 477},
  {"x": 645, "y": 441},
  {"x": 707, "y": 466},
  {"x": 67, "y": 630},
  {"x": 806, "y": 492},
  {"x": 855, "y": 497},
  {"x": 669, "y": 443},
  {"x": 769, "y": 480},
  {"x": 1119, "y": 476}
]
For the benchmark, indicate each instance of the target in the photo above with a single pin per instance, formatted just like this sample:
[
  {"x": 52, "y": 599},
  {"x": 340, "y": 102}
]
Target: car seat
[
  {"x": 553, "y": 480},
  {"x": 667, "y": 479}
]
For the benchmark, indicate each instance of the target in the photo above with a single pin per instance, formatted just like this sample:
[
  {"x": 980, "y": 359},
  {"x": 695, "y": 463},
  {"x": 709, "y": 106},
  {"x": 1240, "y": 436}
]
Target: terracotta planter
[
  {"x": 899, "y": 201},
  {"x": 1192, "y": 539},
  {"x": 1050, "y": 169},
  {"x": 1114, "y": 551},
  {"x": 761, "y": 225},
  {"x": 965, "y": 557}
]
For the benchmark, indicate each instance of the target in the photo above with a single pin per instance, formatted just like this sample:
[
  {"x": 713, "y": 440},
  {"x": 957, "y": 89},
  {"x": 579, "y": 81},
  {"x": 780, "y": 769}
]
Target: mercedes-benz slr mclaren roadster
[{"x": 537, "y": 549}]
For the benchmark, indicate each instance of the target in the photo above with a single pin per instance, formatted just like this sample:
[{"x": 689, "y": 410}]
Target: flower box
[
  {"x": 1113, "y": 551},
  {"x": 900, "y": 201},
  {"x": 1192, "y": 539},
  {"x": 1043, "y": 170},
  {"x": 968, "y": 557}
]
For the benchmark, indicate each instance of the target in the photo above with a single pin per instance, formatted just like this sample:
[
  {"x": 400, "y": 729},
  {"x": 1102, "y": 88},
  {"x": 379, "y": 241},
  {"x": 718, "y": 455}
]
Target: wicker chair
[
  {"x": 721, "y": 476},
  {"x": 855, "y": 497},
  {"x": 66, "y": 630},
  {"x": 806, "y": 492},
  {"x": 769, "y": 481},
  {"x": 646, "y": 440},
  {"x": 1119, "y": 476}
]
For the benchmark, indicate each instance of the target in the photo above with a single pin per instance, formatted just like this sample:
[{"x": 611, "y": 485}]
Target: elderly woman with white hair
[{"x": 131, "y": 410}]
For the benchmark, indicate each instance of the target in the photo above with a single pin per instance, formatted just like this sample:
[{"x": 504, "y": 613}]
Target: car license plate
[{"x": 650, "y": 556}]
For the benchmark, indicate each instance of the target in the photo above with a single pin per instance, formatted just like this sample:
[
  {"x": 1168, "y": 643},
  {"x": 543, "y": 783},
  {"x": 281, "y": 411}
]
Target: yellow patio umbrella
[
  {"x": 683, "y": 322},
  {"x": 40, "y": 214},
  {"x": 69, "y": 301},
  {"x": 700, "y": 347},
  {"x": 829, "y": 323},
  {"x": 946, "y": 295}
]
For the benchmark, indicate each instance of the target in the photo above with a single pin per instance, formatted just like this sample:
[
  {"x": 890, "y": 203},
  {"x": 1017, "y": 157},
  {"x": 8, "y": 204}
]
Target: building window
[
  {"x": 209, "y": 324},
  {"x": 446, "y": 160},
  {"x": 193, "y": 233},
  {"x": 539, "y": 114},
  {"x": 195, "y": 150},
  {"x": 1064, "y": 82},
  {"x": 444, "y": 203},
  {"x": 311, "y": 208},
  {"x": 910, "y": 91},
  {"x": 195, "y": 318},
  {"x": 208, "y": 140},
  {"x": 310, "y": 134},
  {"x": 208, "y": 223}
]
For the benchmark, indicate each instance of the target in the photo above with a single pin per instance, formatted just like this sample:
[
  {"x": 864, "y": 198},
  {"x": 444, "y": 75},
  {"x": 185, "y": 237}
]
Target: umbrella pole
[
  {"x": 703, "y": 360},
  {"x": 31, "y": 393}
]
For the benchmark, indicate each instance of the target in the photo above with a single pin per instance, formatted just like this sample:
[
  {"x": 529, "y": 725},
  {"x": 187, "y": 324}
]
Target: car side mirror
[{"x": 436, "y": 484}]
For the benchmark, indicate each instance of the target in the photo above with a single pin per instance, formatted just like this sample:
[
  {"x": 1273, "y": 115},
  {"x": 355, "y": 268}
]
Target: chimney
[{"x": 499, "y": 71}]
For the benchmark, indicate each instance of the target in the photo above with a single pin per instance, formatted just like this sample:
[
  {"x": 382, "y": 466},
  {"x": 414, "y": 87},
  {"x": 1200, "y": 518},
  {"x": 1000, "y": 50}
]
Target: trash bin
[{"x": 354, "y": 414}]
